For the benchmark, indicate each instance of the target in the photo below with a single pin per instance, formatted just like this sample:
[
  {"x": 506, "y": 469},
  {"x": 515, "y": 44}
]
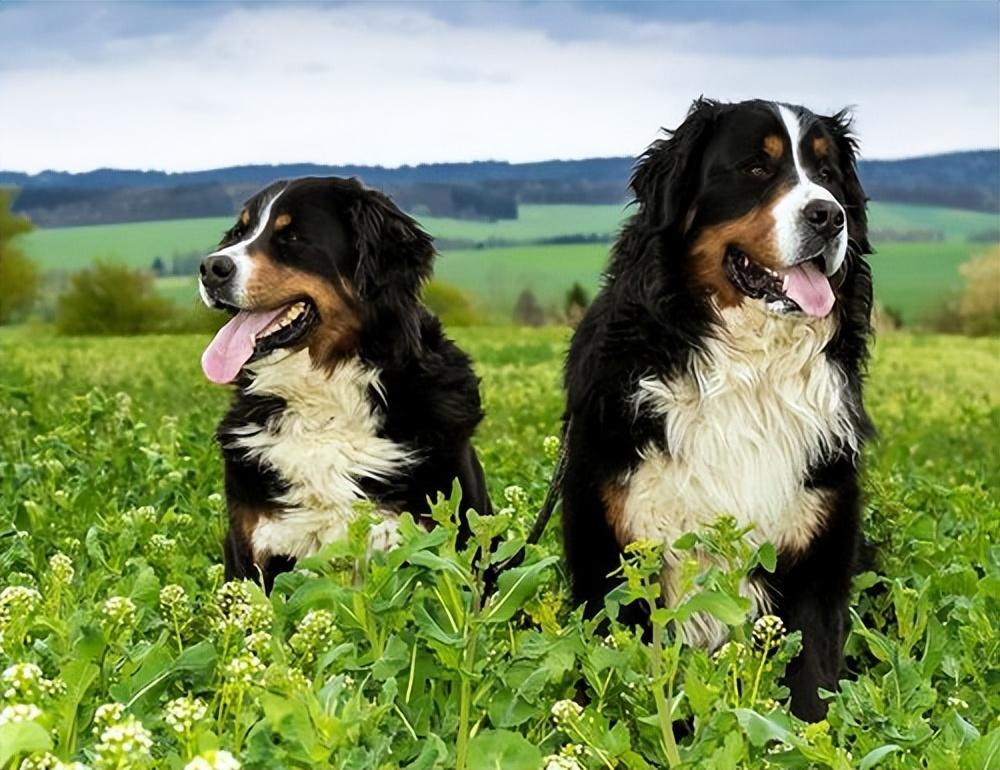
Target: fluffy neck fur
[
  {"x": 759, "y": 404},
  {"x": 323, "y": 444}
]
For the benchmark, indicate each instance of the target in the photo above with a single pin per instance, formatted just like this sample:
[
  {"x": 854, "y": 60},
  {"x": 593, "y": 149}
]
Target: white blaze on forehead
[
  {"x": 788, "y": 211},
  {"x": 239, "y": 254},
  {"x": 794, "y": 130}
]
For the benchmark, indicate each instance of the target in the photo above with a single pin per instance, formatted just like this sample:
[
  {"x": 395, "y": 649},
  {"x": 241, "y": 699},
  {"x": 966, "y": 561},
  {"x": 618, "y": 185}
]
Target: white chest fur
[
  {"x": 324, "y": 444},
  {"x": 741, "y": 429}
]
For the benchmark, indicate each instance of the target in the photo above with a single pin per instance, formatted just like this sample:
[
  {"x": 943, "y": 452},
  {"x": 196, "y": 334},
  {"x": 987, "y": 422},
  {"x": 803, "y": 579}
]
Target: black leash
[{"x": 494, "y": 571}]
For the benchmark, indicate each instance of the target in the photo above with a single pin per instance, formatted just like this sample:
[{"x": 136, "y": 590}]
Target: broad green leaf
[
  {"x": 730, "y": 610},
  {"x": 767, "y": 556},
  {"x": 436, "y": 563},
  {"x": 761, "y": 729},
  {"x": 18, "y": 738},
  {"x": 514, "y": 587},
  {"x": 502, "y": 750},
  {"x": 875, "y": 756},
  {"x": 984, "y": 754}
]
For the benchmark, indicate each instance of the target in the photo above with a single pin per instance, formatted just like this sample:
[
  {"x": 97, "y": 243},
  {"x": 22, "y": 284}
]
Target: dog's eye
[{"x": 825, "y": 175}]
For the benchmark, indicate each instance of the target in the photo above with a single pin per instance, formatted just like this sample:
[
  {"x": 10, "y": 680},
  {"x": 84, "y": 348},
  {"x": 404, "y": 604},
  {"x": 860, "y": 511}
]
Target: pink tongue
[
  {"x": 233, "y": 345},
  {"x": 810, "y": 289}
]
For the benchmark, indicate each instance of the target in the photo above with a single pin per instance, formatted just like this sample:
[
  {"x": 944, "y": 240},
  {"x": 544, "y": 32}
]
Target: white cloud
[{"x": 390, "y": 86}]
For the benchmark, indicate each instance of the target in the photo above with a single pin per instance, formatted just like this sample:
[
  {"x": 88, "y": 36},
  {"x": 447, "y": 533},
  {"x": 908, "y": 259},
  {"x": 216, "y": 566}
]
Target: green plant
[
  {"x": 975, "y": 310},
  {"x": 111, "y": 299},
  {"x": 450, "y": 304},
  {"x": 19, "y": 278},
  {"x": 111, "y": 593}
]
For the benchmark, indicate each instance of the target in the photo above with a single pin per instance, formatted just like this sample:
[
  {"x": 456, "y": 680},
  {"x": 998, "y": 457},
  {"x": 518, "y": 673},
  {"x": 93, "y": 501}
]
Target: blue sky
[{"x": 186, "y": 85}]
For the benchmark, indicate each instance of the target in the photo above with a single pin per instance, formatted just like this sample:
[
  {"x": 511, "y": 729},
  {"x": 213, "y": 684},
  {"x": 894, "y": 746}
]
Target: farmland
[
  {"x": 137, "y": 243},
  {"x": 910, "y": 277},
  {"x": 110, "y": 520}
]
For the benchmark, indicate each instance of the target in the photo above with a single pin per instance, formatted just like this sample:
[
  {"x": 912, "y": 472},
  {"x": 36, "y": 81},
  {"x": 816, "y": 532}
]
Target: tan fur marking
[
  {"x": 244, "y": 519},
  {"x": 272, "y": 285},
  {"x": 614, "y": 496},
  {"x": 753, "y": 233},
  {"x": 773, "y": 146},
  {"x": 245, "y": 217},
  {"x": 282, "y": 221},
  {"x": 821, "y": 146}
]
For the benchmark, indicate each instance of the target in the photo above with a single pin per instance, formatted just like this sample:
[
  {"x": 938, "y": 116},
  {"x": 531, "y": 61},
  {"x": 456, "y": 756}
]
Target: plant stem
[
  {"x": 465, "y": 694},
  {"x": 760, "y": 670},
  {"x": 663, "y": 708}
]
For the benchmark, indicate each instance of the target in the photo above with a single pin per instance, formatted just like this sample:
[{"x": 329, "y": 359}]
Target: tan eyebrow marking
[
  {"x": 821, "y": 146},
  {"x": 773, "y": 146},
  {"x": 245, "y": 217},
  {"x": 283, "y": 220}
]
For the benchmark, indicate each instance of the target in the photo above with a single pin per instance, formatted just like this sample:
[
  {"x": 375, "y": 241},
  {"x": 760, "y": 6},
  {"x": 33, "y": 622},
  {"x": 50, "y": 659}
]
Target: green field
[
  {"x": 69, "y": 248},
  {"x": 954, "y": 224},
  {"x": 109, "y": 487},
  {"x": 494, "y": 277},
  {"x": 913, "y": 277},
  {"x": 910, "y": 277}
]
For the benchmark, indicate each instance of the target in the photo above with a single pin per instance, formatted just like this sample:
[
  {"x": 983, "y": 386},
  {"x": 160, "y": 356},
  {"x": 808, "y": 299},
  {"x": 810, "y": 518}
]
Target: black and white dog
[
  {"x": 347, "y": 388},
  {"x": 719, "y": 370}
]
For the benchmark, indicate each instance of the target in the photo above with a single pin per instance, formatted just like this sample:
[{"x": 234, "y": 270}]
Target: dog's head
[
  {"x": 766, "y": 199},
  {"x": 314, "y": 263}
]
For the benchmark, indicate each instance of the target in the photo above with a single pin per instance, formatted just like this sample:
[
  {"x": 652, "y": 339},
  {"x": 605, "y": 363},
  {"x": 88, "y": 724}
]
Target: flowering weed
[{"x": 120, "y": 647}]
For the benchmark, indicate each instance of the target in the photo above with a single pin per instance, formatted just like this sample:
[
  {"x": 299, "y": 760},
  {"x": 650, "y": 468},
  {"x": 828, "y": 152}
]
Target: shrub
[
  {"x": 976, "y": 310},
  {"x": 527, "y": 311},
  {"x": 196, "y": 319},
  {"x": 19, "y": 278},
  {"x": 979, "y": 305},
  {"x": 886, "y": 318},
  {"x": 450, "y": 304},
  {"x": 576, "y": 304},
  {"x": 112, "y": 299}
]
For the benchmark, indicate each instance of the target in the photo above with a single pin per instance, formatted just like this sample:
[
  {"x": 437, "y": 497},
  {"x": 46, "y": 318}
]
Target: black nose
[
  {"x": 825, "y": 217},
  {"x": 216, "y": 270}
]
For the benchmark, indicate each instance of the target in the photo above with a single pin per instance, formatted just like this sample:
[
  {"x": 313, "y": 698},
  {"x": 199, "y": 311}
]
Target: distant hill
[{"x": 487, "y": 190}]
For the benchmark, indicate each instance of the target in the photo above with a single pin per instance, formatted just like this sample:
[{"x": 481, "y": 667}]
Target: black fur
[
  {"x": 378, "y": 258},
  {"x": 651, "y": 315}
]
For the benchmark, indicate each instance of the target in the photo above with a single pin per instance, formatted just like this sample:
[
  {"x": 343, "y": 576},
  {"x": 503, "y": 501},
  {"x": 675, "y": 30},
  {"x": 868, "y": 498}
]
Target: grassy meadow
[
  {"x": 110, "y": 592},
  {"x": 911, "y": 278}
]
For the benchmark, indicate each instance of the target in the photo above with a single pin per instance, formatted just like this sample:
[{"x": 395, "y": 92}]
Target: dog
[
  {"x": 719, "y": 370},
  {"x": 347, "y": 389}
]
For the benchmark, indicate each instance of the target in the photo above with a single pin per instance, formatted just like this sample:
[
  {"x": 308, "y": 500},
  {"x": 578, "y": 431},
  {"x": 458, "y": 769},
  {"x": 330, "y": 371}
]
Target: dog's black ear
[
  {"x": 855, "y": 326},
  {"x": 840, "y": 127},
  {"x": 395, "y": 258},
  {"x": 664, "y": 180}
]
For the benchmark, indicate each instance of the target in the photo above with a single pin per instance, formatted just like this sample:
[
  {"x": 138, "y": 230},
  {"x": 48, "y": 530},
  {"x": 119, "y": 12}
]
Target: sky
[{"x": 191, "y": 85}]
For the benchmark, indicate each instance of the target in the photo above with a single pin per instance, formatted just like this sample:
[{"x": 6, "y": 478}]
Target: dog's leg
[
  {"x": 592, "y": 550},
  {"x": 238, "y": 557},
  {"x": 813, "y": 591}
]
